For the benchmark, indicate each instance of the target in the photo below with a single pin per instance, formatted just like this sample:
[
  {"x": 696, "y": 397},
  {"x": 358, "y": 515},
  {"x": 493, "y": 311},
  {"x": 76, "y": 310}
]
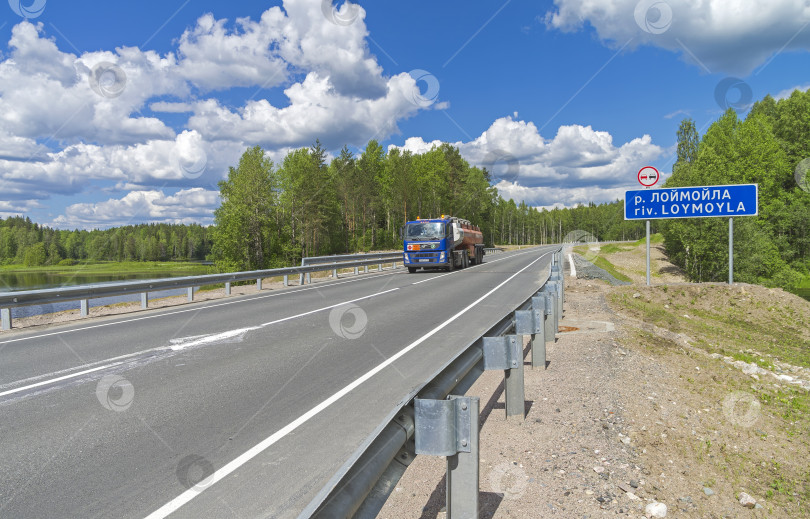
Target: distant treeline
[
  {"x": 274, "y": 214},
  {"x": 765, "y": 148},
  {"x": 25, "y": 242}
]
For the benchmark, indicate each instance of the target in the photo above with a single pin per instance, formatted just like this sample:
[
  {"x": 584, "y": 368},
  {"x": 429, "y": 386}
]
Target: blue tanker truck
[{"x": 441, "y": 243}]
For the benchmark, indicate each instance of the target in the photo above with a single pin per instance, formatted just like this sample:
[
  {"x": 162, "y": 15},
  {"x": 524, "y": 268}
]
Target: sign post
[
  {"x": 648, "y": 253},
  {"x": 647, "y": 177},
  {"x": 731, "y": 251},
  {"x": 695, "y": 202}
]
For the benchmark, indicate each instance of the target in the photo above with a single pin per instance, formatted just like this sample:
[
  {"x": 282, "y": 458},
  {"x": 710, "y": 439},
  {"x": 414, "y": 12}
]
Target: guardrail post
[
  {"x": 286, "y": 280},
  {"x": 366, "y": 269},
  {"x": 560, "y": 310},
  {"x": 356, "y": 271},
  {"x": 554, "y": 288},
  {"x": 144, "y": 300},
  {"x": 258, "y": 284},
  {"x": 5, "y": 318},
  {"x": 309, "y": 278},
  {"x": 190, "y": 293},
  {"x": 562, "y": 275},
  {"x": 450, "y": 428},
  {"x": 379, "y": 267},
  {"x": 84, "y": 307},
  {"x": 506, "y": 353},
  {"x": 227, "y": 288},
  {"x": 334, "y": 273},
  {"x": 532, "y": 322},
  {"x": 557, "y": 277},
  {"x": 550, "y": 304},
  {"x": 539, "y": 356},
  {"x": 301, "y": 279}
]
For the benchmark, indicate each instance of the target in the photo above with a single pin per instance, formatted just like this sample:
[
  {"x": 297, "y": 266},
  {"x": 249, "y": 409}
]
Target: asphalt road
[{"x": 244, "y": 407}]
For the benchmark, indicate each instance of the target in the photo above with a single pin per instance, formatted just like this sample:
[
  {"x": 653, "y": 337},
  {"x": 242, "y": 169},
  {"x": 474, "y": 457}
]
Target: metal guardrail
[
  {"x": 433, "y": 420},
  {"x": 492, "y": 250},
  {"x": 338, "y": 260},
  {"x": 341, "y": 258},
  {"x": 84, "y": 293}
]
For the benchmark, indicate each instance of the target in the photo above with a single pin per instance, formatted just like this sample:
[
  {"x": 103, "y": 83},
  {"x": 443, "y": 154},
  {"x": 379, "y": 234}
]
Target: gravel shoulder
[{"x": 689, "y": 396}]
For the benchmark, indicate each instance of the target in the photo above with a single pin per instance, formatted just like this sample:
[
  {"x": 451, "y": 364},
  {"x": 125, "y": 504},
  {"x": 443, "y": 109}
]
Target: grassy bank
[
  {"x": 765, "y": 454},
  {"x": 114, "y": 267},
  {"x": 603, "y": 263},
  {"x": 734, "y": 430},
  {"x": 654, "y": 238}
]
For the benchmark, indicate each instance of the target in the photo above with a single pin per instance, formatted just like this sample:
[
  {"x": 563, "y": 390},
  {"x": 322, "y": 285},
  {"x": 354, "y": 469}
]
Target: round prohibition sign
[{"x": 648, "y": 176}]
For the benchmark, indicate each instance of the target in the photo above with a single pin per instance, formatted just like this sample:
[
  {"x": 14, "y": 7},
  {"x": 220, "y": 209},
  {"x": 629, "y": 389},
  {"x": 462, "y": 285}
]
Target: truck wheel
[
  {"x": 450, "y": 263},
  {"x": 411, "y": 269}
]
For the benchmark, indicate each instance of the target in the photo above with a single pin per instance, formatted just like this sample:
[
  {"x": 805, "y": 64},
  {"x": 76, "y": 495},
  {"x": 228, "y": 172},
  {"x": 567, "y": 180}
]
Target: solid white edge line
[
  {"x": 472, "y": 267},
  {"x": 573, "y": 267},
  {"x": 51, "y": 381},
  {"x": 195, "y": 309},
  {"x": 219, "y": 474},
  {"x": 112, "y": 362}
]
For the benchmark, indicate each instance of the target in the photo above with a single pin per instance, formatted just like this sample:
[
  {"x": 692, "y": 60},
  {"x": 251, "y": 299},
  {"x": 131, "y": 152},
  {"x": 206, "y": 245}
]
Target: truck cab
[{"x": 444, "y": 243}]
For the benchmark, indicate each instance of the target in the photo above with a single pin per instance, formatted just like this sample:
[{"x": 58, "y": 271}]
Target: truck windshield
[{"x": 424, "y": 231}]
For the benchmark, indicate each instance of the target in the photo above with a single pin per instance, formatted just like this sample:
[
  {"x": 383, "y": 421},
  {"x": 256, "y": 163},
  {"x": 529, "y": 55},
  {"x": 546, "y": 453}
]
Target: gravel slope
[{"x": 629, "y": 416}]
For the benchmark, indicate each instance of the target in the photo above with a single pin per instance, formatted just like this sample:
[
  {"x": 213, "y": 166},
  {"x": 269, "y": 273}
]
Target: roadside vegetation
[
  {"x": 113, "y": 267},
  {"x": 275, "y": 214},
  {"x": 756, "y": 434},
  {"x": 603, "y": 263},
  {"x": 765, "y": 148},
  {"x": 735, "y": 363}
]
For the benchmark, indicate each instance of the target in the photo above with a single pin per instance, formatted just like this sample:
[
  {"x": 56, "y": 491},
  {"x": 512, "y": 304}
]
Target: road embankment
[{"x": 684, "y": 396}]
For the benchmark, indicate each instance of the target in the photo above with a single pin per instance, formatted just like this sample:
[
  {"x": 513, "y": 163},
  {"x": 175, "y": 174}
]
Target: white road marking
[
  {"x": 472, "y": 267},
  {"x": 185, "y": 342},
  {"x": 219, "y": 474},
  {"x": 58, "y": 379}
]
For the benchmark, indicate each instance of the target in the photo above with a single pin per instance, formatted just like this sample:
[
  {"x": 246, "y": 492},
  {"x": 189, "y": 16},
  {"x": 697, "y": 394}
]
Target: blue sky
[{"x": 115, "y": 113}]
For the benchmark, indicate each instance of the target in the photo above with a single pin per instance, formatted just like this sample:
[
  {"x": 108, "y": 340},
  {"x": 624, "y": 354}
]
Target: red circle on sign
[{"x": 648, "y": 179}]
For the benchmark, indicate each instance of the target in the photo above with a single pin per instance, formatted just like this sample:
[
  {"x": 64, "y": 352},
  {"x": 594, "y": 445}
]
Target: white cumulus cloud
[
  {"x": 74, "y": 123},
  {"x": 577, "y": 165},
  {"x": 195, "y": 205},
  {"x": 729, "y": 36}
]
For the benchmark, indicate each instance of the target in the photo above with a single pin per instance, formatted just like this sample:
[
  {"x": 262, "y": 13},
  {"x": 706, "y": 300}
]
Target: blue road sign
[{"x": 692, "y": 202}]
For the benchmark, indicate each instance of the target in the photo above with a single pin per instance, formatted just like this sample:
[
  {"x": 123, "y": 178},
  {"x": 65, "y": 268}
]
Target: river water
[{"x": 14, "y": 281}]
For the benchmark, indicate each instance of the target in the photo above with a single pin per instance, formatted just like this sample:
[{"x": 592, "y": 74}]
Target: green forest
[
  {"x": 274, "y": 214},
  {"x": 765, "y": 148},
  {"x": 23, "y": 242}
]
